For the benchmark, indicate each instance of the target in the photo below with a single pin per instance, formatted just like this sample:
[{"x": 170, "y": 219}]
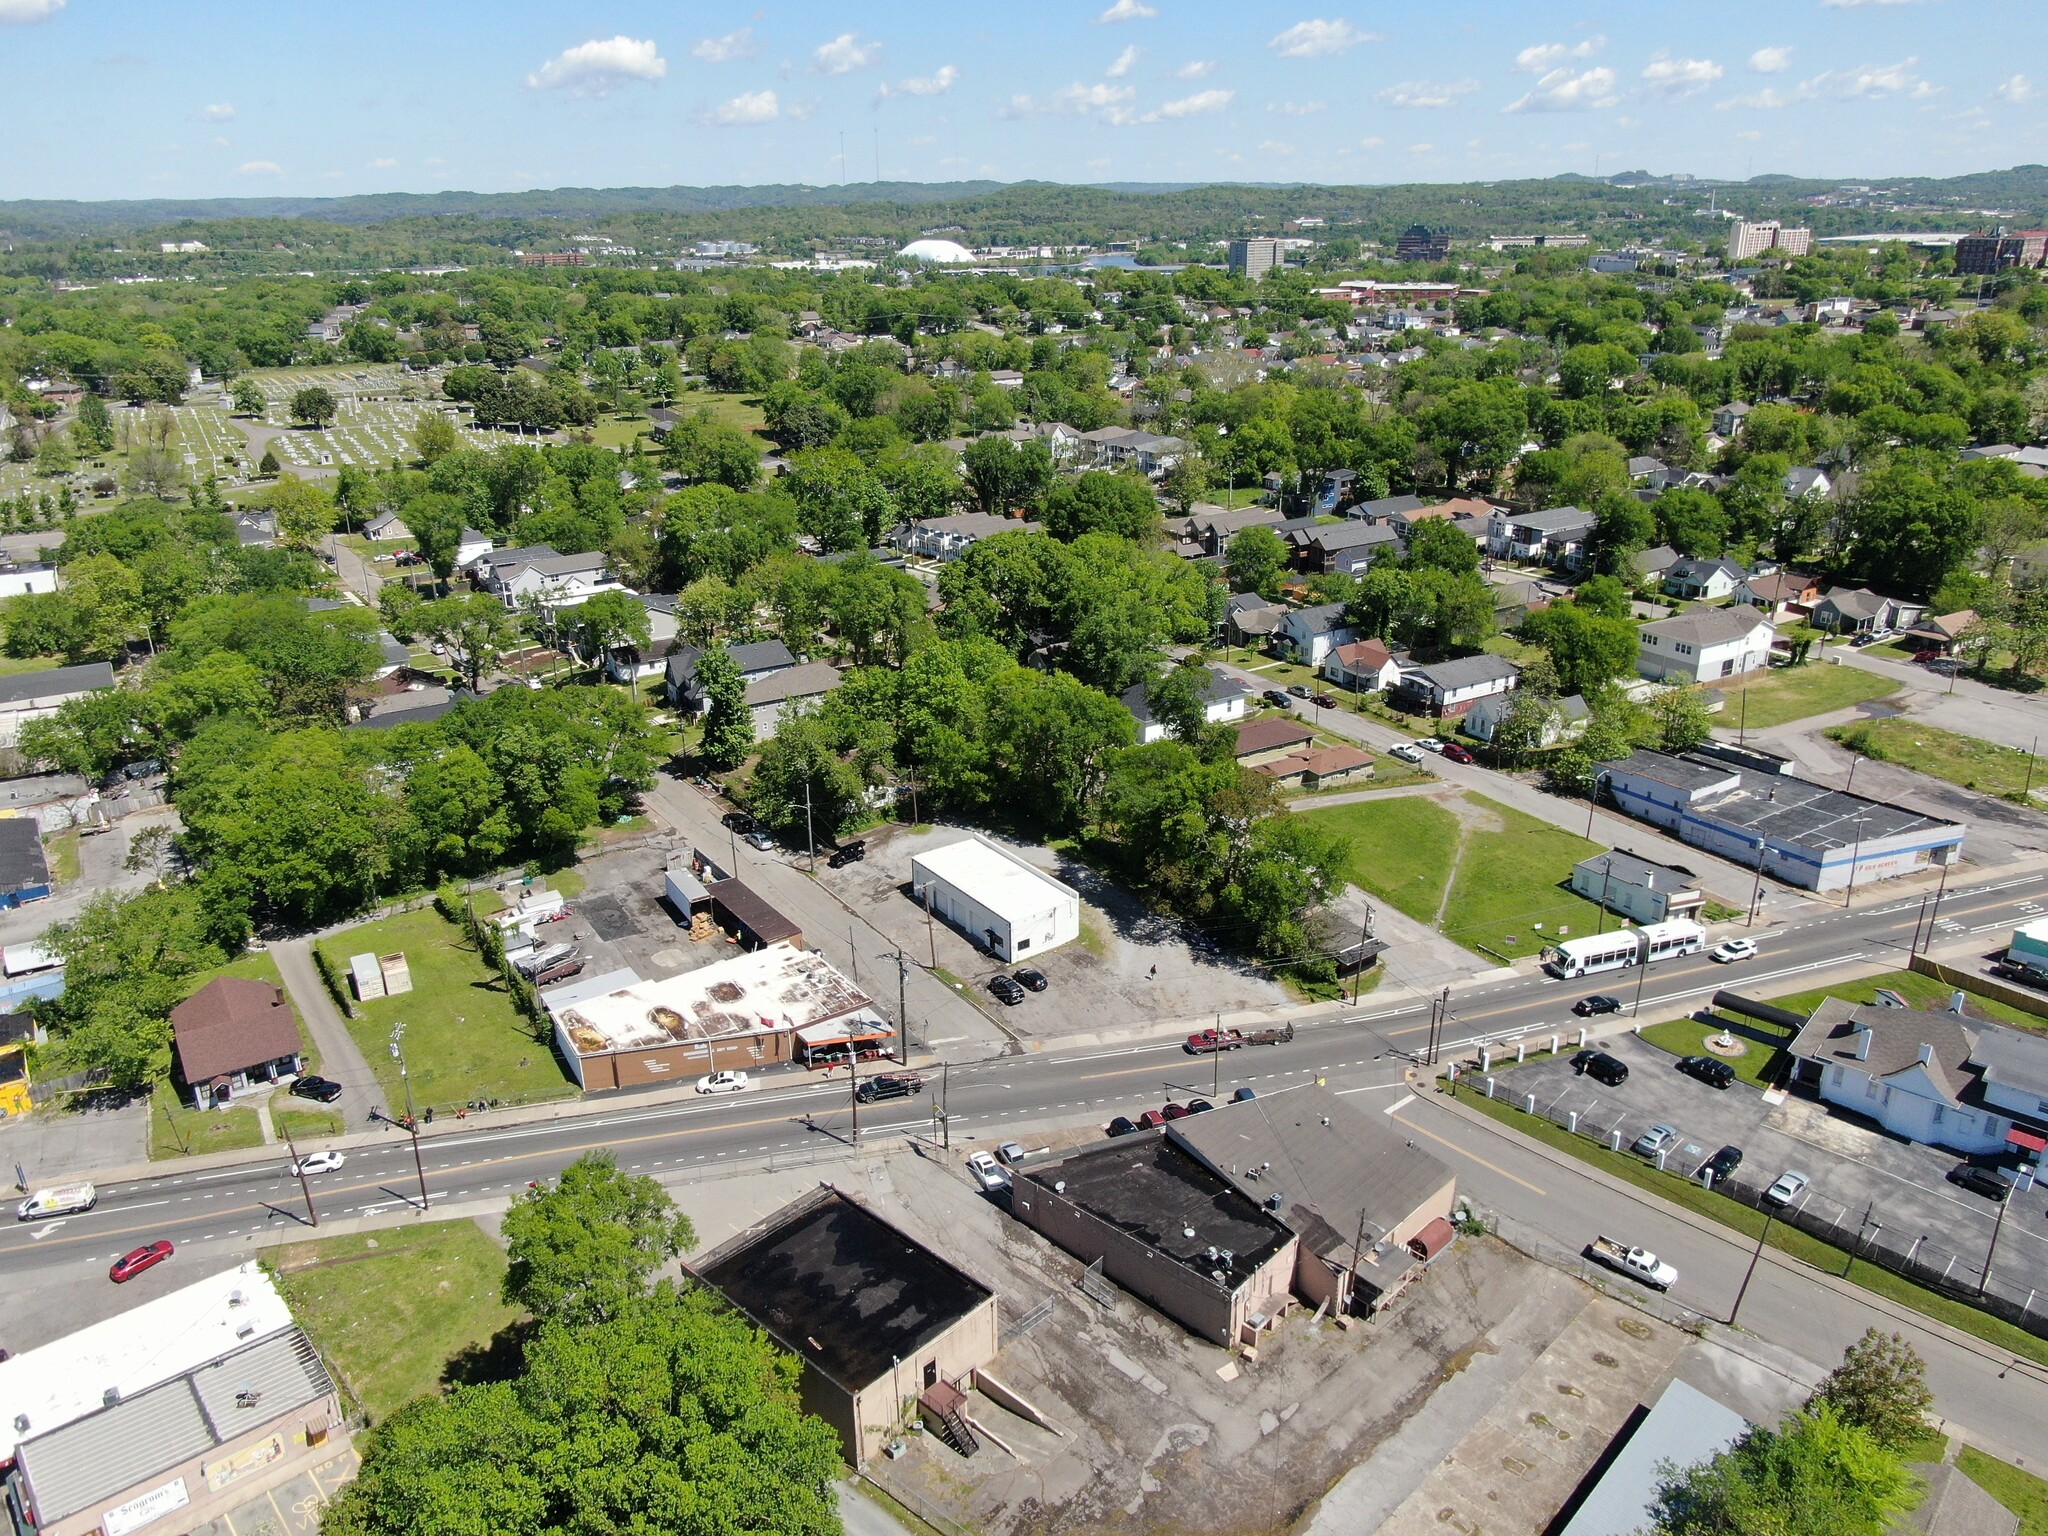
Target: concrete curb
[{"x": 1968, "y": 1342}]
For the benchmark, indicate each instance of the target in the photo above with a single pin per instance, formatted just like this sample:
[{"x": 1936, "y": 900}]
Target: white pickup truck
[{"x": 1636, "y": 1263}]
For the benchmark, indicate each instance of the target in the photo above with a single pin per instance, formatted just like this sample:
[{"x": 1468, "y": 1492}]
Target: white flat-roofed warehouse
[{"x": 1000, "y": 902}]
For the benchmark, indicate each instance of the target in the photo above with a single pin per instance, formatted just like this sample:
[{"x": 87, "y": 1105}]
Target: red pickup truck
[{"x": 1206, "y": 1042}]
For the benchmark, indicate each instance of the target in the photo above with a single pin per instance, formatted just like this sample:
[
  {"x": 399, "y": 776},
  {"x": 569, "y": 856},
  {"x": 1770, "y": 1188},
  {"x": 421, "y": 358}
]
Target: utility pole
[
  {"x": 412, "y": 1122},
  {"x": 1756, "y": 890},
  {"x": 1855, "y": 857},
  {"x": 312, "y": 1216},
  {"x": 853, "y": 1084},
  {"x": 852, "y": 953},
  {"x": 1606, "y": 870},
  {"x": 1364, "y": 938},
  {"x": 1216, "y": 1063},
  {"x": 902, "y": 1009},
  {"x": 1642, "y": 975},
  {"x": 1929, "y": 917},
  {"x": 1743, "y": 1290},
  {"x": 810, "y": 837},
  {"x": 945, "y": 1116},
  {"x": 1997, "y": 1226},
  {"x": 2027, "y": 788}
]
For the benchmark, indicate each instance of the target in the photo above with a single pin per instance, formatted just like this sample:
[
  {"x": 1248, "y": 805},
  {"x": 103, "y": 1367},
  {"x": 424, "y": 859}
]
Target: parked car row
[{"x": 1010, "y": 988}]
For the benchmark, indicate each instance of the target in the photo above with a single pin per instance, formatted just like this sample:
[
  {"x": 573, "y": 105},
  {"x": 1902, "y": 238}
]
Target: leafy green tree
[
  {"x": 94, "y": 428},
  {"x": 305, "y": 514},
  {"x": 267, "y": 465},
  {"x": 1680, "y": 719},
  {"x": 1880, "y": 1388},
  {"x": 728, "y": 723},
  {"x": 434, "y": 438},
  {"x": 580, "y": 1249},
  {"x": 1099, "y": 502},
  {"x": 672, "y": 1418},
  {"x": 704, "y": 450},
  {"x": 436, "y": 524},
  {"x": 1911, "y": 524},
  {"x": 1434, "y": 545},
  {"x": 608, "y": 621},
  {"x": 456, "y": 819},
  {"x": 1815, "y": 1476},
  {"x": 1691, "y": 522},
  {"x": 801, "y": 784},
  {"x": 839, "y": 500},
  {"x": 1586, "y": 648},
  {"x": 1256, "y": 560},
  {"x": 1006, "y": 476},
  {"x": 477, "y": 630},
  {"x": 877, "y": 611},
  {"x": 313, "y": 407},
  {"x": 248, "y": 398}
]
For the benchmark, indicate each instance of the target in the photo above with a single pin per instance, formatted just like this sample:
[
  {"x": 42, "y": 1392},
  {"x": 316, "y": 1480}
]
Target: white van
[{"x": 61, "y": 1201}]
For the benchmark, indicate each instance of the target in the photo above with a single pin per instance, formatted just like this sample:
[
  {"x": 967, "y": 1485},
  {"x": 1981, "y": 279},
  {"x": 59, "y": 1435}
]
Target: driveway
[{"x": 1860, "y": 1174}]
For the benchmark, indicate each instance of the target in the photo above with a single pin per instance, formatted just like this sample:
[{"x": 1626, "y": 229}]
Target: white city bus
[{"x": 1631, "y": 946}]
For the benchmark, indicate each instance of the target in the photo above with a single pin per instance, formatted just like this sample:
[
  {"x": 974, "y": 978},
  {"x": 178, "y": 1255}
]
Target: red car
[
  {"x": 129, "y": 1265},
  {"x": 1175, "y": 1112},
  {"x": 1151, "y": 1120},
  {"x": 1458, "y": 754}
]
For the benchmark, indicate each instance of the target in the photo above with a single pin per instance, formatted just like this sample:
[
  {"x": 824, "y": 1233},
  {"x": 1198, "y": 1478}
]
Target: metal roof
[
  {"x": 57, "y": 682},
  {"x": 991, "y": 876},
  {"x": 1685, "y": 1427}
]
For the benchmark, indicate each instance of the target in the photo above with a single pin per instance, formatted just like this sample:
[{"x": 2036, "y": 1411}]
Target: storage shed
[{"x": 1003, "y": 904}]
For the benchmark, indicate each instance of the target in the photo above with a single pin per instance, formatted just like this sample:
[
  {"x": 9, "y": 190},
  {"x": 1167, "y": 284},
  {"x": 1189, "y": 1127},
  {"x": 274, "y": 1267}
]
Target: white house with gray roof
[
  {"x": 1453, "y": 687},
  {"x": 1223, "y": 700},
  {"x": 1704, "y": 644},
  {"x": 1308, "y": 635}
]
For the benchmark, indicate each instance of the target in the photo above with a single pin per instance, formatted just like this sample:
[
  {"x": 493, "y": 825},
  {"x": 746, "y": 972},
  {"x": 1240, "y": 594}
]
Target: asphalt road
[{"x": 795, "y": 1119}]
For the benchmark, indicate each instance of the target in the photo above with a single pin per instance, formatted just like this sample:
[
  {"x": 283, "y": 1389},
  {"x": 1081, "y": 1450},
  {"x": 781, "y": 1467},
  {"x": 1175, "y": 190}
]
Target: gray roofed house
[
  {"x": 1655, "y": 561},
  {"x": 1223, "y": 698},
  {"x": 1853, "y": 610},
  {"x": 948, "y": 538},
  {"x": 1347, "y": 546},
  {"x": 31, "y": 695},
  {"x": 1555, "y": 535},
  {"x": 1703, "y": 579},
  {"x": 1452, "y": 687},
  {"x": 1310, "y": 634},
  {"x": 1567, "y": 716},
  {"x": 1385, "y": 507},
  {"x": 1704, "y": 644},
  {"x": 1638, "y": 889},
  {"x": 757, "y": 658},
  {"x": 769, "y": 694},
  {"x": 1807, "y": 480}
]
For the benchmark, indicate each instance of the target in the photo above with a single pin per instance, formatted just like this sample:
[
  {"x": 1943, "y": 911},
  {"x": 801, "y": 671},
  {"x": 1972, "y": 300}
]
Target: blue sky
[{"x": 181, "y": 98}]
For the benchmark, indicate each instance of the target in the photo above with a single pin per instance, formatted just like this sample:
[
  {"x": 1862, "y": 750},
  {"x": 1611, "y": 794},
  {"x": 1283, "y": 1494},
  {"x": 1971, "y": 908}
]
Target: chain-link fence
[
  {"x": 1527, "y": 1239},
  {"x": 1859, "y": 1232}
]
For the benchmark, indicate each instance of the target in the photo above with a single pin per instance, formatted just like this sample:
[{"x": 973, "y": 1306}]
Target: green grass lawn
[
  {"x": 2019, "y": 1491},
  {"x": 463, "y": 1038},
  {"x": 176, "y": 1129},
  {"x": 303, "y": 1124},
  {"x": 1508, "y": 883},
  {"x": 1756, "y": 1066},
  {"x": 1401, "y": 849},
  {"x": 1741, "y": 1218},
  {"x": 14, "y": 666},
  {"x": 1974, "y": 764},
  {"x": 742, "y": 411},
  {"x": 389, "y": 1311},
  {"x": 1926, "y": 992},
  {"x": 1785, "y": 694},
  {"x": 63, "y": 852}
]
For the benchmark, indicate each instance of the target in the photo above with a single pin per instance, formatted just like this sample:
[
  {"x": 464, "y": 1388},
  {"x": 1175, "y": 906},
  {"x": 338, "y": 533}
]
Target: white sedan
[
  {"x": 723, "y": 1082},
  {"x": 987, "y": 1172},
  {"x": 317, "y": 1162},
  {"x": 1733, "y": 949},
  {"x": 1407, "y": 751}
]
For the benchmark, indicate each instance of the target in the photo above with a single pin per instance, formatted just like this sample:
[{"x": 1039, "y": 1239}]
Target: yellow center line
[
  {"x": 1462, "y": 1152},
  {"x": 1156, "y": 1068}
]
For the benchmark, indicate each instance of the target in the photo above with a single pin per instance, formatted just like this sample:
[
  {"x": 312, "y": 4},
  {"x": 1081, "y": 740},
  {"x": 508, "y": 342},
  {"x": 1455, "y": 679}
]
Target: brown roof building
[
  {"x": 1272, "y": 733},
  {"x": 234, "y": 1033}
]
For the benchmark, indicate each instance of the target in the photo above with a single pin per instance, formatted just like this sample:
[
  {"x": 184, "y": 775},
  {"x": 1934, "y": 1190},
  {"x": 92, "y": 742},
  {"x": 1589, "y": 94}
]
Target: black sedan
[
  {"x": 1007, "y": 990},
  {"x": 1035, "y": 980},
  {"x": 322, "y": 1089},
  {"x": 1599, "y": 1002},
  {"x": 1708, "y": 1069},
  {"x": 1980, "y": 1181},
  {"x": 1123, "y": 1125},
  {"x": 1723, "y": 1163}
]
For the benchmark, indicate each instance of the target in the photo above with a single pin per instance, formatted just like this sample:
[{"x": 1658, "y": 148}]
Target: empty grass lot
[
  {"x": 463, "y": 1038},
  {"x": 1502, "y": 869},
  {"x": 2019, "y": 1491},
  {"x": 1974, "y": 764},
  {"x": 390, "y": 1310},
  {"x": 1925, "y": 992},
  {"x": 1785, "y": 694}
]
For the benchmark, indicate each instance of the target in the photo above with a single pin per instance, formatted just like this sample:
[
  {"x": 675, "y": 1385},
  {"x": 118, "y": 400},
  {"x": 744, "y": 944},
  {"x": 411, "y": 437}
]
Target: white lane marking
[{"x": 1399, "y": 1104}]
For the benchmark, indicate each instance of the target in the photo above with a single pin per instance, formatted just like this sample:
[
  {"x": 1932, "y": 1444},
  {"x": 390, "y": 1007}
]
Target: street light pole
[
  {"x": 412, "y": 1122},
  {"x": 1997, "y": 1226},
  {"x": 1642, "y": 976},
  {"x": 1756, "y": 890},
  {"x": 1364, "y": 938},
  {"x": 902, "y": 1009},
  {"x": 1855, "y": 856},
  {"x": 1920, "y": 945},
  {"x": 810, "y": 837},
  {"x": 1606, "y": 869},
  {"x": 1743, "y": 1290},
  {"x": 305, "y": 1189}
]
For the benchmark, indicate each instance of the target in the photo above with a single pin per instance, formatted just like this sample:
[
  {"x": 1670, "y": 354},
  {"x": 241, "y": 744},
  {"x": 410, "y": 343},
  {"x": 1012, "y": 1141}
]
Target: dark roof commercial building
[
  {"x": 193, "y": 1446},
  {"x": 1760, "y": 817},
  {"x": 1354, "y": 1188},
  {"x": 231, "y": 1033},
  {"x": 1168, "y": 1230},
  {"x": 876, "y": 1317},
  {"x": 24, "y": 871}
]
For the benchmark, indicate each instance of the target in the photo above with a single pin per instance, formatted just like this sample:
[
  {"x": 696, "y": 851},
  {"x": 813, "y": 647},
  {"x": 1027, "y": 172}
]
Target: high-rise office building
[
  {"x": 1746, "y": 239},
  {"x": 1418, "y": 242},
  {"x": 1254, "y": 258}
]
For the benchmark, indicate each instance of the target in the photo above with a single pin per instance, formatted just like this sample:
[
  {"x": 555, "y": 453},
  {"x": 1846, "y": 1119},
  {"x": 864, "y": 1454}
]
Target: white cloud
[
  {"x": 1771, "y": 61},
  {"x": 1426, "y": 93},
  {"x": 2015, "y": 88},
  {"x": 723, "y": 50},
  {"x": 1313, "y": 39},
  {"x": 1297, "y": 108},
  {"x": 1128, "y": 10},
  {"x": 1751, "y": 134},
  {"x": 22, "y": 12},
  {"x": 220, "y": 143},
  {"x": 937, "y": 83},
  {"x": 1124, "y": 62},
  {"x": 1371, "y": 143},
  {"x": 1201, "y": 104},
  {"x": 1275, "y": 147},
  {"x": 260, "y": 168},
  {"x": 844, "y": 54},
  {"x": 1540, "y": 58},
  {"x": 1680, "y": 78},
  {"x": 1196, "y": 69},
  {"x": 1563, "y": 91},
  {"x": 1421, "y": 149},
  {"x": 1110, "y": 102},
  {"x": 218, "y": 112},
  {"x": 1867, "y": 82},
  {"x": 593, "y": 68},
  {"x": 383, "y": 163},
  {"x": 749, "y": 109}
]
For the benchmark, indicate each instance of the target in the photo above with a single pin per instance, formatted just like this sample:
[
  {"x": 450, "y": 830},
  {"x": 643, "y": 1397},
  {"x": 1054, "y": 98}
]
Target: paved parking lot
[{"x": 1860, "y": 1174}]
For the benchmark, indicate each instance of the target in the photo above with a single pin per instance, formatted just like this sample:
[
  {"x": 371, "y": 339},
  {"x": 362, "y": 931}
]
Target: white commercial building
[{"x": 1000, "y": 902}]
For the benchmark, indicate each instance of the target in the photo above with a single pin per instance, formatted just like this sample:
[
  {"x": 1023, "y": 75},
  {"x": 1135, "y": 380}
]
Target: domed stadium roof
[{"x": 936, "y": 250}]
